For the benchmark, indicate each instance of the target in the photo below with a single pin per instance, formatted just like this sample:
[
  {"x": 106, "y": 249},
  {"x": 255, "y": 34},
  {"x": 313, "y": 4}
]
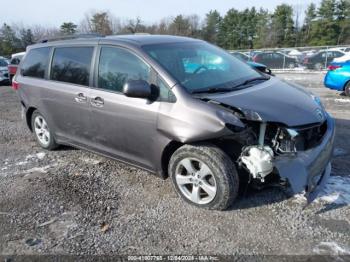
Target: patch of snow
[
  {"x": 40, "y": 155},
  {"x": 91, "y": 161},
  {"x": 38, "y": 169},
  {"x": 28, "y": 157},
  {"x": 4, "y": 168},
  {"x": 22, "y": 163},
  {"x": 338, "y": 151},
  {"x": 336, "y": 191},
  {"x": 299, "y": 198},
  {"x": 330, "y": 248},
  {"x": 342, "y": 100}
]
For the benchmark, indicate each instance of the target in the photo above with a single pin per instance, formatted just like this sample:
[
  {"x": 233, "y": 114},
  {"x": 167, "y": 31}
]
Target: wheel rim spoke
[
  {"x": 209, "y": 189},
  {"x": 195, "y": 197},
  {"x": 204, "y": 170},
  {"x": 183, "y": 180},
  {"x": 37, "y": 123},
  {"x": 187, "y": 164}
]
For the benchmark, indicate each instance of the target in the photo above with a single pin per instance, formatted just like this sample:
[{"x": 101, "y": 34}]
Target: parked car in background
[
  {"x": 241, "y": 56},
  {"x": 140, "y": 99},
  {"x": 343, "y": 58},
  {"x": 275, "y": 60},
  {"x": 245, "y": 58},
  {"x": 322, "y": 59},
  {"x": 338, "y": 77},
  {"x": 14, "y": 62},
  {"x": 4, "y": 74},
  {"x": 261, "y": 67}
]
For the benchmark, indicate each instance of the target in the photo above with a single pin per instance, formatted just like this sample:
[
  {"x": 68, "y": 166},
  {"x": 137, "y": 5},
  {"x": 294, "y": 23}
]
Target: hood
[{"x": 275, "y": 101}]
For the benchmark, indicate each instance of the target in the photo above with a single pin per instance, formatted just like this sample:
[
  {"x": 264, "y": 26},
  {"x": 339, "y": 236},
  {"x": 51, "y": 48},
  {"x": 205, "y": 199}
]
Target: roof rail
[{"x": 67, "y": 37}]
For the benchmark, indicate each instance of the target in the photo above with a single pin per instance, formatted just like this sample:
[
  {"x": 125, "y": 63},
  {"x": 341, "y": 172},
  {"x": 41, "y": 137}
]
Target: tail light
[
  {"x": 15, "y": 85},
  {"x": 333, "y": 67}
]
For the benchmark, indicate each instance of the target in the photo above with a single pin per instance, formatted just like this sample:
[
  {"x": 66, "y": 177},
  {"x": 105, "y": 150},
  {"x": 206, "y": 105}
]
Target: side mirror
[{"x": 137, "y": 88}]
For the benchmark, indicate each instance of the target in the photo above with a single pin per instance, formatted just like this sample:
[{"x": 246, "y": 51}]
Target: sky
[{"x": 54, "y": 13}]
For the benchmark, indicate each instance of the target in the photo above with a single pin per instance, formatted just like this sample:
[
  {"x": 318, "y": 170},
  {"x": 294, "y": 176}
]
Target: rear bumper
[{"x": 308, "y": 170}]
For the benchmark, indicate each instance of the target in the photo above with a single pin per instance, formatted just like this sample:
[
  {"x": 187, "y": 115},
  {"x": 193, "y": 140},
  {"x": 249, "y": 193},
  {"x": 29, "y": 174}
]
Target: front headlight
[{"x": 251, "y": 115}]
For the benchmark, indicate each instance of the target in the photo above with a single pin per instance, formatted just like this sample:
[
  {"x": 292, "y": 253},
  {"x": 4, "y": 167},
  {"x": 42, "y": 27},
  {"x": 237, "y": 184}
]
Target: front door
[{"x": 124, "y": 127}]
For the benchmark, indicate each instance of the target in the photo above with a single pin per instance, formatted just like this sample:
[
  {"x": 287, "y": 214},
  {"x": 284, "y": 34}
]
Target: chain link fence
[{"x": 315, "y": 58}]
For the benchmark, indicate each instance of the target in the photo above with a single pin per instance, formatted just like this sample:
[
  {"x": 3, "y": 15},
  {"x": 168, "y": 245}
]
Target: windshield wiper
[
  {"x": 212, "y": 90},
  {"x": 246, "y": 82}
]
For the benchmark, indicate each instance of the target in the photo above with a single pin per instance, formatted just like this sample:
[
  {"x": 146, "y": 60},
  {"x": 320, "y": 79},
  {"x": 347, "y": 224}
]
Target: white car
[
  {"x": 4, "y": 73},
  {"x": 343, "y": 58}
]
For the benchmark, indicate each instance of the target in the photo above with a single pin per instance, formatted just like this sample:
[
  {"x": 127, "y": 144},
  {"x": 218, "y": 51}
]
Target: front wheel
[
  {"x": 42, "y": 132},
  {"x": 347, "y": 89},
  {"x": 203, "y": 175}
]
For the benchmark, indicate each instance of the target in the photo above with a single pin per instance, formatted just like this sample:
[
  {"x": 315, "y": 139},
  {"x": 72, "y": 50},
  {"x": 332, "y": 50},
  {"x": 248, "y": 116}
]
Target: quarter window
[
  {"x": 36, "y": 62},
  {"x": 72, "y": 65},
  {"x": 117, "y": 66}
]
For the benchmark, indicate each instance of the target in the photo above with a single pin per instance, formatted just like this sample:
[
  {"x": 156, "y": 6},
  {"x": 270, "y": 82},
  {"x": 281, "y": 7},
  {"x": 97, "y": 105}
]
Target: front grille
[{"x": 311, "y": 136}]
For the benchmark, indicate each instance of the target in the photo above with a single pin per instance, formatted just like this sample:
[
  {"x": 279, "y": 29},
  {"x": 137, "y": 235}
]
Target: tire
[
  {"x": 46, "y": 140},
  {"x": 347, "y": 89},
  {"x": 291, "y": 66},
  {"x": 211, "y": 168},
  {"x": 318, "y": 66}
]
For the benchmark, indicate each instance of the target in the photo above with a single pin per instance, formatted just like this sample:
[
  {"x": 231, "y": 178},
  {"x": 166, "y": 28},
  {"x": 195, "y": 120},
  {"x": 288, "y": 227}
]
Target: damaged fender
[{"x": 205, "y": 121}]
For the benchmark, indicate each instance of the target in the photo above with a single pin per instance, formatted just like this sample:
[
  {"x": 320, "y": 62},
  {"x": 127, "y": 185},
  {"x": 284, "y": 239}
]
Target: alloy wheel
[
  {"x": 196, "y": 181},
  {"x": 41, "y": 130}
]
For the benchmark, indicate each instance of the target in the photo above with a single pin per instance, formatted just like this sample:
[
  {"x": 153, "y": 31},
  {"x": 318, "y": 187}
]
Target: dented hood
[{"x": 275, "y": 101}]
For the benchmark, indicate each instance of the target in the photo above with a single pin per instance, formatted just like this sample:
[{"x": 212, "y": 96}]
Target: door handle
[
  {"x": 97, "y": 101},
  {"x": 80, "y": 98}
]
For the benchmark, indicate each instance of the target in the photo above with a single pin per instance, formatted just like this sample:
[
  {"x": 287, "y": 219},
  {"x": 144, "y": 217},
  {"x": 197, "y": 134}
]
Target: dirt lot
[{"x": 74, "y": 202}]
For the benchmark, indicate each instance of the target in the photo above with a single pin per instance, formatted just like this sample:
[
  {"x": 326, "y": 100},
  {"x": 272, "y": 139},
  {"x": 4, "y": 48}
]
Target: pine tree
[
  {"x": 211, "y": 28},
  {"x": 68, "y": 28}
]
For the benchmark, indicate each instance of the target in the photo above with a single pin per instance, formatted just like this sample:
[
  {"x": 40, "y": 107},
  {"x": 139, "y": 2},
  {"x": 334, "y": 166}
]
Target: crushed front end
[{"x": 300, "y": 155}]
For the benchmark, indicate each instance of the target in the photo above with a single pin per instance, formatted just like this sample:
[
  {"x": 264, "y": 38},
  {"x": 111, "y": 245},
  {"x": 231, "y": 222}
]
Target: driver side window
[{"x": 117, "y": 66}]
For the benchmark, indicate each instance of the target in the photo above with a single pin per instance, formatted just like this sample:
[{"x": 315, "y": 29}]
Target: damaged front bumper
[{"x": 309, "y": 170}]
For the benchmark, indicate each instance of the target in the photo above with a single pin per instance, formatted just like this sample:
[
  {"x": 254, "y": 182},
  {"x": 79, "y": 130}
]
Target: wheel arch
[
  {"x": 168, "y": 151},
  {"x": 28, "y": 115}
]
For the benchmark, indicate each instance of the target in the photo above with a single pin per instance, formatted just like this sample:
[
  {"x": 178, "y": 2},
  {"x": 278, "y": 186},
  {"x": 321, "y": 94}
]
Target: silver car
[{"x": 179, "y": 108}]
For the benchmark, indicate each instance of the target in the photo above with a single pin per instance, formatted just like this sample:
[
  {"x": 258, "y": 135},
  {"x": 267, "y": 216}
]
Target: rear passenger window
[
  {"x": 72, "y": 65},
  {"x": 117, "y": 66},
  {"x": 36, "y": 62}
]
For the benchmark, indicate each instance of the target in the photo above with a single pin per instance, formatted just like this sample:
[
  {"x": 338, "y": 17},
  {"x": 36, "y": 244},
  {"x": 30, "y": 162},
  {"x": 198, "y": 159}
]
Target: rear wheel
[
  {"x": 42, "y": 131},
  {"x": 291, "y": 65},
  {"x": 318, "y": 66},
  {"x": 347, "y": 89},
  {"x": 204, "y": 176}
]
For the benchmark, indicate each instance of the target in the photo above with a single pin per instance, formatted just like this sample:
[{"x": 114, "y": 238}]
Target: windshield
[
  {"x": 199, "y": 66},
  {"x": 3, "y": 62}
]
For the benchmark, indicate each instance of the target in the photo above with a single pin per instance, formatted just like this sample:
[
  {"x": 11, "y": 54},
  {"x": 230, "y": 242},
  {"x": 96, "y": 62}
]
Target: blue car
[{"x": 338, "y": 77}]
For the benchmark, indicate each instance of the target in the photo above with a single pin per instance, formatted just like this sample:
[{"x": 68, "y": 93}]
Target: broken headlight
[
  {"x": 251, "y": 115},
  {"x": 287, "y": 140}
]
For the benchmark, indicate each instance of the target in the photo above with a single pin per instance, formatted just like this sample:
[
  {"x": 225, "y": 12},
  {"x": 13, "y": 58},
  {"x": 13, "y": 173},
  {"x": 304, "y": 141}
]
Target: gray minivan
[{"x": 177, "y": 107}]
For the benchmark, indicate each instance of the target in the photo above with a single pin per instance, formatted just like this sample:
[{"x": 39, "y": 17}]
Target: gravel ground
[{"x": 74, "y": 202}]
